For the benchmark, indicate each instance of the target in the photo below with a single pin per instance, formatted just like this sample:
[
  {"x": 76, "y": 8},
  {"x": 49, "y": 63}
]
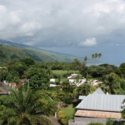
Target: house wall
[{"x": 85, "y": 121}]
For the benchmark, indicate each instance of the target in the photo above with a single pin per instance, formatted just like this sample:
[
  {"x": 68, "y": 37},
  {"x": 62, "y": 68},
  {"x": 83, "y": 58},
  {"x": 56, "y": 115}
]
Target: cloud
[
  {"x": 88, "y": 42},
  {"x": 63, "y": 23}
]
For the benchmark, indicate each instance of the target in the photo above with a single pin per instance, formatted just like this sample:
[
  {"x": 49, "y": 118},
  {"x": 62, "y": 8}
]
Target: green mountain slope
[{"x": 12, "y": 52}]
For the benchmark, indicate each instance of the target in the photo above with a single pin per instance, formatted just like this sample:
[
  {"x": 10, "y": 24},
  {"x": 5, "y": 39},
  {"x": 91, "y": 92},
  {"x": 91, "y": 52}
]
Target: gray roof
[
  {"x": 81, "y": 97},
  {"x": 102, "y": 102},
  {"x": 98, "y": 91}
]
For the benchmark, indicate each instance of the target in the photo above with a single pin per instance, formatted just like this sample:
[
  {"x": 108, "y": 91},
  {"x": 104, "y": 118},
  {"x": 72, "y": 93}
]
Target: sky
[{"x": 76, "y": 27}]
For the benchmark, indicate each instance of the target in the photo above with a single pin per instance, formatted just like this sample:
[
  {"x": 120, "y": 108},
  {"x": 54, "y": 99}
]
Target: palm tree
[
  {"x": 85, "y": 60},
  {"x": 99, "y": 55},
  {"x": 110, "y": 84},
  {"x": 96, "y": 55},
  {"x": 92, "y": 56},
  {"x": 25, "y": 107}
]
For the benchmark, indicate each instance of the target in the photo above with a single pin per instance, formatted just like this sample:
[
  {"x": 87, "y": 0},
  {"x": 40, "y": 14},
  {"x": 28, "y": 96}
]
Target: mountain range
[{"x": 10, "y": 51}]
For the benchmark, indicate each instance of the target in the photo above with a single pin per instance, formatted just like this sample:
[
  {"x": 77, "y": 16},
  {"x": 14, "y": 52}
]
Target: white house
[
  {"x": 53, "y": 85},
  {"x": 52, "y": 80}
]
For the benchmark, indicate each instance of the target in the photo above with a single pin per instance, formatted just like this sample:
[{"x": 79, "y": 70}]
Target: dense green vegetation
[
  {"x": 95, "y": 123},
  {"x": 36, "y": 88},
  {"x": 14, "y": 52},
  {"x": 25, "y": 107},
  {"x": 68, "y": 111}
]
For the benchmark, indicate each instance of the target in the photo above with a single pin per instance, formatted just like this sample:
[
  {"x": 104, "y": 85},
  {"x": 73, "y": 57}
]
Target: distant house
[
  {"x": 52, "y": 80},
  {"x": 53, "y": 85},
  {"x": 72, "y": 76},
  {"x": 72, "y": 79},
  {"x": 94, "y": 82},
  {"x": 5, "y": 82},
  {"x": 13, "y": 85},
  {"x": 97, "y": 107}
]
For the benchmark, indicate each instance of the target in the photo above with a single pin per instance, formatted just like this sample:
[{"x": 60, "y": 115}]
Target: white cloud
[
  {"x": 2, "y": 9},
  {"x": 14, "y": 16},
  {"x": 88, "y": 42},
  {"x": 67, "y": 21}
]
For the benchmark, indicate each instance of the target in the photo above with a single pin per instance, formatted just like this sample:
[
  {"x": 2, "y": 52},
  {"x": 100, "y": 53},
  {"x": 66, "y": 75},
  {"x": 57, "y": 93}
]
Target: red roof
[
  {"x": 22, "y": 80},
  {"x": 18, "y": 85},
  {"x": 13, "y": 84}
]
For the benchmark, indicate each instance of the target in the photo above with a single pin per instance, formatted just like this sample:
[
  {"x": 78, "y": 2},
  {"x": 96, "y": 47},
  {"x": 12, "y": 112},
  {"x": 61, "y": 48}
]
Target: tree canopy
[{"x": 25, "y": 107}]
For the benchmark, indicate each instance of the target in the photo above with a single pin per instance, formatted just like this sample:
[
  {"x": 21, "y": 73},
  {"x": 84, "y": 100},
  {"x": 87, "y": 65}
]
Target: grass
[
  {"x": 69, "y": 111},
  {"x": 62, "y": 72}
]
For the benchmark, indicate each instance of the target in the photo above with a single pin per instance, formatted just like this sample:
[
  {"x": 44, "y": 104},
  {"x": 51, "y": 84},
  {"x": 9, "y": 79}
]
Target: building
[{"x": 97, "y": 107}]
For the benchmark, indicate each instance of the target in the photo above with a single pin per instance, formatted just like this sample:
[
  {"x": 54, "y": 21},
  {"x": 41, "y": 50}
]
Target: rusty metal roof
[{"x": 98, "y": 114}]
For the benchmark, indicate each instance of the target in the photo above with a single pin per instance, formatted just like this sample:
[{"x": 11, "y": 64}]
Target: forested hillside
[{"x": 15, "y": 53}]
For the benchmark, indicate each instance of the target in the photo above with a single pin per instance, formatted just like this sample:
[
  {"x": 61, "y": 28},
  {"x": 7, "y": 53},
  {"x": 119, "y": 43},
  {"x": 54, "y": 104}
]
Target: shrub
[
  {"x": 110, "y": 122},
  {"x": 62, "y": 118},
  {"x": 95, "y": 123}
]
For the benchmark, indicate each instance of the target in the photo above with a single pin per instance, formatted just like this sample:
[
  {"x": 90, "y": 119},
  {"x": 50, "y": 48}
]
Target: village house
[
  {"x": 97, "y": 107},
  {"x": 52, "y": 80},
  {"x": 15, "y": 85}
]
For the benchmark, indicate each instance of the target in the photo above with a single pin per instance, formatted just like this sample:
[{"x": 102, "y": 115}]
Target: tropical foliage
[
  {"x": 25, "y": 107},
  {"x": 95, "y": 123}
]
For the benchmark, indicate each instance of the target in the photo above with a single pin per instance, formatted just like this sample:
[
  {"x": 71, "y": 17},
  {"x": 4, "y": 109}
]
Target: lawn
[
  {"x": 62, "y": 72},
  {"x": 69, "y": 111}
]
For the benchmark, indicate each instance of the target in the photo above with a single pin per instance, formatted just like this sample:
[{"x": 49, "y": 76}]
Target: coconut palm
[
  {"x": 96, "y": 55},
  {"x": 25, "y": 107},
  {"x": 92, "y": 56},
  {"x": 85, "y": 59},
  {"x": 99, "y": 55}
]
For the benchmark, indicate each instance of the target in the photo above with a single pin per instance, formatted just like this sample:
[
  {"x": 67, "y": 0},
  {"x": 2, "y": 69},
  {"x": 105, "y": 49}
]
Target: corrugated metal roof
[
  {"x": 81, "y": 97},
  {"x": 98, "y": 91},
  {"x": 102, "y": 102},
  {"x": 98, "y": 114}
]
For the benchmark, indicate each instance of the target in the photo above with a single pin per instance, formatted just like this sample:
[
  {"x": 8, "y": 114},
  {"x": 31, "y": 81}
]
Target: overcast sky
[{"x": 76, "y": 27}]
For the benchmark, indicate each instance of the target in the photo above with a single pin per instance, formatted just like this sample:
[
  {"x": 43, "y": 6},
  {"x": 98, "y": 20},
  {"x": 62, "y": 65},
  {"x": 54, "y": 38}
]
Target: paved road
[
  {"x": 53, "y": 120},
  {"x": 3, "y": 87}
]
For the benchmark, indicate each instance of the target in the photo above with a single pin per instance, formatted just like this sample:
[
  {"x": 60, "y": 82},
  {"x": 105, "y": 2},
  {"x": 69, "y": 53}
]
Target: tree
[
  {"x": 49, "y": 72},
  {"x": 122, "y": 69},
  {"x": 18, "y": 67},
  {"x": 85, "y": 59},
  {"x": 38, "y": 78},
  {"x": 25, "y": 107},
  {"x": 99, "y": 55},
  {"x": 62, "y": 118},
  {"x": 111, "y": 84},
  {"x": 84, "y": 89},
  {"x": 96, "y": 55},
  {"x": 92, "y": 56},
  {"x": 95, "y": 123},
  {"x": 28, "y": 61}
]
